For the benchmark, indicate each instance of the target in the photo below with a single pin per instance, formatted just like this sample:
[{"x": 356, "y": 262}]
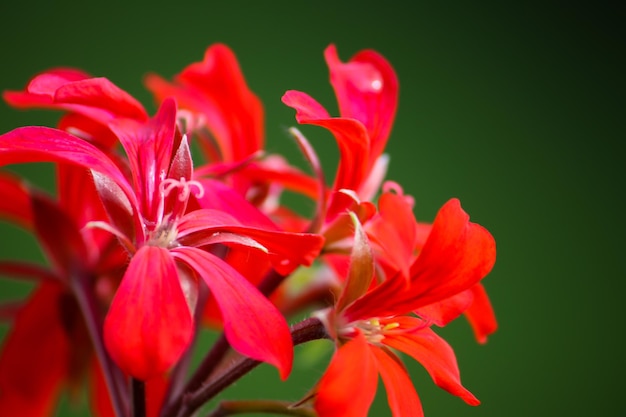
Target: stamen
[
  {"x": 187, "y": 188},
  {"x": 189, "y": 122},
  {"x": 391, "y": 326},
  {"x": 373, "y": 330}
]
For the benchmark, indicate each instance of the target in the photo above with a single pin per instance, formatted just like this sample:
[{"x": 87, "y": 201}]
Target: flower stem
[
  {"x": 305, "y": 331},
  {"x": 209, "y": 364},
  {"x": 112, "y": 375},
  {"x": 270, "y": 282},
  {"x": 138, "y": 390},
  {"x": 229, "y": 408},
  {"x": 177, "y": 376},
  {"x": 212, "y": 360}
]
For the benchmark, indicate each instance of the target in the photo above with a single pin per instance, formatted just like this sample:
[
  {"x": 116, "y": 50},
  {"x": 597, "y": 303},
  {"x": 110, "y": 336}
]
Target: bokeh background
[{"x": 516, "y": 109}]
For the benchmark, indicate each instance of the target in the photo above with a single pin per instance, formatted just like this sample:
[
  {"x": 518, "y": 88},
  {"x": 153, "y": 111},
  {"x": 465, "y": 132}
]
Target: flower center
[
  {"x": 174, "y": 198},
  {"x": 373, "y": 330}
]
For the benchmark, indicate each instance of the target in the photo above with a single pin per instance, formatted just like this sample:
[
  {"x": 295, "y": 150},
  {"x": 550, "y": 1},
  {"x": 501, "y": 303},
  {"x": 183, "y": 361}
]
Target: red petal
[
  {"x": 426, "y": 347},
  {"x": 149, "y": 324},
  {"x": 480, "y": 314},
  {"x": 59, "y": 236},
  {"x": 401, "y": 395},
  {"x": 253, "y": 326},
  {"x": 395, "y": 230},
  {"x": 348, "y": 386},
  {"x": 286, "y": 250},
  {"x": 367, "y": 90},
  {"x": 217, "y": 89},
  {"x": 219, "y": 196},
  {"x": 75, "y": 91},
  {"x": 443, "y": 312},
  {"x": 273, "y": 170},
  {"x": 89, "y": 129},
  {"x": 361, "y": 270},
  {"x": 149, "y": 149},
  {"x": 41, "y": 89},
  {"x": 351, "y": 136},
  {"x": 44, "y": 144},
  {"x": 15, "y": 201},
  {"x": 29, "y": 380},
  {"x": 100, "y": 93},
  {"x": 51, "y": 80},
  {"x": 457, "y": 255}
]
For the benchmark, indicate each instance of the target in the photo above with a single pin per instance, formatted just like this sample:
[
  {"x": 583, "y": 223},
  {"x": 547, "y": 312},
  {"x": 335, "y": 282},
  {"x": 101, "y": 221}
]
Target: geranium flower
[
  {"x": 227, "y": 119},
  {"x": 367, "y": 321},
  {"x": 367, "y": 92},
  {"x": 367, "y": 88},
  {"x": 397, "y": 239},
  {"x": 147, "y": 212}
]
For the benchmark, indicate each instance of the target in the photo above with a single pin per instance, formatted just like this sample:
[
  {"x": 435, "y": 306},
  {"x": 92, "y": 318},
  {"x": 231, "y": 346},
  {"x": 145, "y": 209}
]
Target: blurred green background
[{"x": 516, "y": 109}]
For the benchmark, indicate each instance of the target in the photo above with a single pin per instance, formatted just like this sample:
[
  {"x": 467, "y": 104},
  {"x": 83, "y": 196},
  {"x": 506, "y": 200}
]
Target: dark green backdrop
[{"x": 517, "y": 110}]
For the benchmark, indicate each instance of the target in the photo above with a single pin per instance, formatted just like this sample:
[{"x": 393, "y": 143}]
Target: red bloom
[
  {"x": 366, "y": 321},
  {"x": 147, "y": 213},
  {"x": 227, "y": 120},
  {"x": 216, "y": 90},
  {"x": 367, "y": 92}
]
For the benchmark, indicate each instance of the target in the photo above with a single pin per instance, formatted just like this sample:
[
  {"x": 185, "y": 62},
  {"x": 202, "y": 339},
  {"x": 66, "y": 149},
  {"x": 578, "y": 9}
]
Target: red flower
[
  {"x": 149, "y": 323},
  {"x": 367, "y": 92},
  {"x": 216, "y": 92},
  {"x": 226, "y": 118},
  {"x": 366, "y": 322}
]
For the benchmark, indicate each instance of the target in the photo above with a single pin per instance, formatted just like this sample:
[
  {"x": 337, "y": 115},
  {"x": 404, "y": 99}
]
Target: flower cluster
[{"x": 144, "y": 249}]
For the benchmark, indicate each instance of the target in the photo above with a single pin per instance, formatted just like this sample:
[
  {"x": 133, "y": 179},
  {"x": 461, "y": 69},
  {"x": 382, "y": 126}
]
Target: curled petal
[
  {"x": 351, "y": 136},
  {"x": 149, "y": 324},
  {"x": 44, "y": 144},
  {"x": 348, "y": 386},
  {"x": 253, "y": 326},
  {"x": 367, "y": 90},
  {"x": 100, "y": 93},
  {"x": 73, "y": 90},
  {"x": 40, "y": 90}
]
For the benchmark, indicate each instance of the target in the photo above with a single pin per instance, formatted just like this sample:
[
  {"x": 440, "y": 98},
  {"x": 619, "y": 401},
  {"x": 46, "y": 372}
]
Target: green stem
[{"x": 230, "y": 408}]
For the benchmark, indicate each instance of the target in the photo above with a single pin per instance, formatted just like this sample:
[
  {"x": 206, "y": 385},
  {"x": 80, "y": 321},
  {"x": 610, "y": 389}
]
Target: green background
[{"x": 516, "y": 109}]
